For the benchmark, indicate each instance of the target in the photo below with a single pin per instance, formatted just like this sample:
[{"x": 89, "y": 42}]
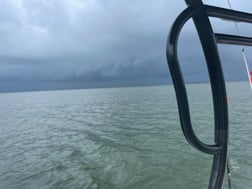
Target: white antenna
[{"x": 247, "y": 68}]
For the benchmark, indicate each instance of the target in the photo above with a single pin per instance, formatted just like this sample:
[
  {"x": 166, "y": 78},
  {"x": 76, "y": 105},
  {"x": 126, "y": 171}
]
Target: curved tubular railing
[
  {"x": 200, "y": 13},
  {"x": 197, "y": 12}
]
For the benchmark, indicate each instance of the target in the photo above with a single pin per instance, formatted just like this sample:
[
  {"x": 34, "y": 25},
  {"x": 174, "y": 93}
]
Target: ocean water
[{"x": 117, "y": 138}]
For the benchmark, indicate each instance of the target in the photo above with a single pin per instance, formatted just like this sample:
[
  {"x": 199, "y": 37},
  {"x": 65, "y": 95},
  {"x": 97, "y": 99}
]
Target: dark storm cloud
[{"x": 85, "y": 43}]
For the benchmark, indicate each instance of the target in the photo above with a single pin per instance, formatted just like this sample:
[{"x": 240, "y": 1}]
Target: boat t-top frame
[{"x": 200, "y": 14}]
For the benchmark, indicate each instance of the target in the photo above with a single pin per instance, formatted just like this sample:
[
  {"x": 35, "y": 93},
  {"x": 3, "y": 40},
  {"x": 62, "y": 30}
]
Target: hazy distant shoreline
[{"x": 96, "y": 87}]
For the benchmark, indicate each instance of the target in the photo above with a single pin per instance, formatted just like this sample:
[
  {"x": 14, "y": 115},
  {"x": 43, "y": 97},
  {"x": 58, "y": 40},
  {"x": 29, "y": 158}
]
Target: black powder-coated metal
[
  {"x": 233, "y": 39},
  {"x": 200, "y": 14},
  {"x": 228, "y": 14}
]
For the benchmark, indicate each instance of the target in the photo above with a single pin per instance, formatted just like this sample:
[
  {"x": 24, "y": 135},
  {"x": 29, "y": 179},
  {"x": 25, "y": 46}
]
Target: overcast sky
[{"x": 57, "y": 44}]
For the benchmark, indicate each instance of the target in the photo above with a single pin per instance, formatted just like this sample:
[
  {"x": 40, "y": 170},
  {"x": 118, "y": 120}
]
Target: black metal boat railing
[{"x": 200, "y": 14}]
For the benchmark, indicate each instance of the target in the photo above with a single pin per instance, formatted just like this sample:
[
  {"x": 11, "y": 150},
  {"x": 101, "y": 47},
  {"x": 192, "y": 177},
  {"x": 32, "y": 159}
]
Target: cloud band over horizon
[{"x": 85, "y": 43}]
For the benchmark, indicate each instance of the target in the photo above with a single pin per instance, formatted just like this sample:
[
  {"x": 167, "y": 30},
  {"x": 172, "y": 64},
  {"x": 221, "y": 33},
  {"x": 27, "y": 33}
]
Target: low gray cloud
[{"x": 95, "y": 43}]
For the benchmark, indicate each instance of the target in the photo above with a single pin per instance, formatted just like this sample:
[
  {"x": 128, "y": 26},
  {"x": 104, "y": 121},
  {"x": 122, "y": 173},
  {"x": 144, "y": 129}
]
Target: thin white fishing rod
[{"x": 235, "y": 23}]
